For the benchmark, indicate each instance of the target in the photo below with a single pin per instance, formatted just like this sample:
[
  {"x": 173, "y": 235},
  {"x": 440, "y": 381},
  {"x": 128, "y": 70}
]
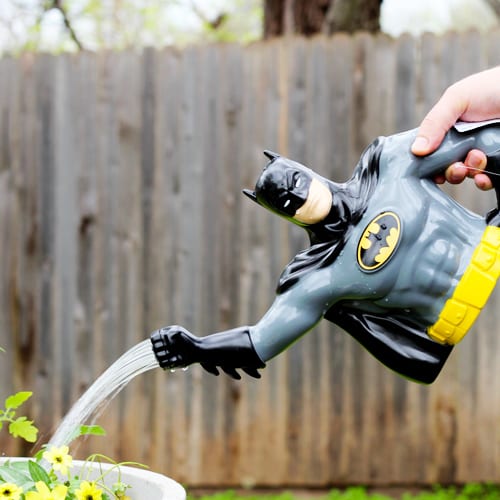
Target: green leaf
[
  {"x": 21, "y": 427},
  {"x": 38, "y": 473},
  {"x": 86, "y": 430},
  {"x": 10, "y": 474},
  {"x": 91, "y": 430},
  {"x": 39, "y": 454},
  {"x": 16, "y": 400},
  {"x": 21, "y": 466}
]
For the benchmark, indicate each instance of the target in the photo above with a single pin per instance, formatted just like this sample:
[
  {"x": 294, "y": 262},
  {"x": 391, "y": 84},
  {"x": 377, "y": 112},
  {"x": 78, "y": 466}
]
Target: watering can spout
[{"x": 160, "y": 347}]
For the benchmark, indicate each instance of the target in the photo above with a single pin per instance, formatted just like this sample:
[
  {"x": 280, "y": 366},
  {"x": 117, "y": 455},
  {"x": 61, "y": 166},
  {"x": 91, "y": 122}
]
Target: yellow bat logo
[{"x": 379, "y": 241}]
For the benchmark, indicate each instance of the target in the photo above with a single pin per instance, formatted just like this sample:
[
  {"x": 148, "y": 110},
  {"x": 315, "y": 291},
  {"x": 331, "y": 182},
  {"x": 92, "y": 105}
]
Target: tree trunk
[
  {"x": 308, "y": 17},
  {"x": 495, "y": 5}
]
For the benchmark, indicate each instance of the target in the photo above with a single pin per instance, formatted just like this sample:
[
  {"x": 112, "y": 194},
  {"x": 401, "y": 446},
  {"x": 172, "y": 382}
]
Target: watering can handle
[
  {"x": 493, "y": 172},
  {"x": 493, "y": 164}
]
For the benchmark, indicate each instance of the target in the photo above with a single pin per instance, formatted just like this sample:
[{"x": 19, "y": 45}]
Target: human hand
[
  {"x": 472, "y": 167},
  {"x": 475, "y": 98}
]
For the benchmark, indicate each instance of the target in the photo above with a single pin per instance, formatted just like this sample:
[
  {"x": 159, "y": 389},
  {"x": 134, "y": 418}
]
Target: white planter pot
[{"x": 145, "y": 485}]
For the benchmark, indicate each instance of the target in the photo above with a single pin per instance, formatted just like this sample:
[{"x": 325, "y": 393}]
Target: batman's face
[
  {"x": 283, "y": 187},
  {"x": 292, "y": 191}
]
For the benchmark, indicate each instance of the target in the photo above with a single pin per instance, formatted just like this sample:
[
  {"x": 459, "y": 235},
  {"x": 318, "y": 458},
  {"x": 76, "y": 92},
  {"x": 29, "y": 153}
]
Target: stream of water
[{"x": 137, "y": 360}]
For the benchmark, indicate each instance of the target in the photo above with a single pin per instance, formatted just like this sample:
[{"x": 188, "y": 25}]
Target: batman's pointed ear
[
  {"x": 250, "y": 194},
  {"x": 272, "y": 156}
]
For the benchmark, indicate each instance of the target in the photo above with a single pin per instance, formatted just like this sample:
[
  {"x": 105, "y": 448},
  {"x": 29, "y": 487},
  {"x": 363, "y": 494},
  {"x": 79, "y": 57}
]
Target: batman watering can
[{"x": 393, "y": 260}]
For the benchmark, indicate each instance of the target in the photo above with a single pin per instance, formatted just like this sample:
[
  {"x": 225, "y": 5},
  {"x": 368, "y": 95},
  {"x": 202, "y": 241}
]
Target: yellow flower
[
  {"x": 43, "y": 492},
  {"x": 9, "y": 491},
  {"x": 88, "y": 491},
  {"x": 59, "y": 458}
]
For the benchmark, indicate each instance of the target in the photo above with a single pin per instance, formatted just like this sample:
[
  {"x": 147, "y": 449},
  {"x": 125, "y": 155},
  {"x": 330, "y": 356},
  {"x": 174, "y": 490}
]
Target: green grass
[{"x": 473, "y": 491}]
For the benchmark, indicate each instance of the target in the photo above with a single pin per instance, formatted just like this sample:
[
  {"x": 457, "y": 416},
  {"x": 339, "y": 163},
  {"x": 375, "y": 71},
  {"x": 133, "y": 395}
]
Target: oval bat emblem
[{"x": 379, "y": 241}]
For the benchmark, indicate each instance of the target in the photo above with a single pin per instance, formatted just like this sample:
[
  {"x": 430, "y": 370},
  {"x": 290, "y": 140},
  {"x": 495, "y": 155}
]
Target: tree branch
[
  {"x": 58, "y": 5},
  {"x": 495, "y": 5},
  {"x": 214, "y": 23}
]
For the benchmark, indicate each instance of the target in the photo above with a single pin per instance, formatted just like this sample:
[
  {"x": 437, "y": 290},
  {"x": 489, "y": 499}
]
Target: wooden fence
[{"x": 121, "y": 211}]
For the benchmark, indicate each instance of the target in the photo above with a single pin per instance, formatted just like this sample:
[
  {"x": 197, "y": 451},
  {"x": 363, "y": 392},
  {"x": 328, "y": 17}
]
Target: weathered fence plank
[{"x": 121, "y": 211}]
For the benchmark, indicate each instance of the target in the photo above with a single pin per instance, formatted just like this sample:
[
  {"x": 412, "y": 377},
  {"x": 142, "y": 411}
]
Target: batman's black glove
[{"x": 175, "y": 347}]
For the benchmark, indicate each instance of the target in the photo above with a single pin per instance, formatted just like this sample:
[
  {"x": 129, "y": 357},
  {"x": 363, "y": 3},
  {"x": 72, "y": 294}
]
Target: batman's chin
[{"x": 317, "y": 206}]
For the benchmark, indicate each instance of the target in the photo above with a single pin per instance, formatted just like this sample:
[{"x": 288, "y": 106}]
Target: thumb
[
  {"x": 436, "y": 124},
  {"x": 430, "y": 134}
]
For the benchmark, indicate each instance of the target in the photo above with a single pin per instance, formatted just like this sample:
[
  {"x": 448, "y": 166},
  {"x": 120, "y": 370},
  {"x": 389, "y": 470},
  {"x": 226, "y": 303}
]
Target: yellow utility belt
[{"x": 472, "y": 292}]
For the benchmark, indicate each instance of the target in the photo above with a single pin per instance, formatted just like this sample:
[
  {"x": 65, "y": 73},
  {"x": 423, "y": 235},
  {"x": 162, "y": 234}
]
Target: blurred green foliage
[
  {"x": 68, "y": 25},
  {"x": 472, "y": 491}
]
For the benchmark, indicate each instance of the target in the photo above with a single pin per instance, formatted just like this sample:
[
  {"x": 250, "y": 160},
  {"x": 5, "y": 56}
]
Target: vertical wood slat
[
  {"x": 11, "y": 218},
  {"x": 121, "y": 211}
]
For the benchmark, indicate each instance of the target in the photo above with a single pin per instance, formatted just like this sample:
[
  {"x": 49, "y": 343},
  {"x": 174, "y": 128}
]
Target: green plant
[
  {"x": 47, "y": 476},
  {"x": 355, "y": 493},
  {"x": 29, "y": 480},
  {"x": 19, "y": 426},
  {"x": 472, "y": 491},
  {"x": 233, "y": 495}
]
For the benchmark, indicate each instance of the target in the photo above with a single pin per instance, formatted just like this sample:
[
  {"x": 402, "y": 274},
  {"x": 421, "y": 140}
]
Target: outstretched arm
[
  {"x": 292, "y": 314},
  {"x": 175, "y": 347}
]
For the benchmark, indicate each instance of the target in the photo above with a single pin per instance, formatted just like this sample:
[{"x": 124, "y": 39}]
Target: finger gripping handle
[{"x": 493, "y": 172}]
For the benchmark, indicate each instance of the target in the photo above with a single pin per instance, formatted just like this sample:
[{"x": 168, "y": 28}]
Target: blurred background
[
  {"x": 127, "y": 131},
  {"x": 61, "y": 26}
]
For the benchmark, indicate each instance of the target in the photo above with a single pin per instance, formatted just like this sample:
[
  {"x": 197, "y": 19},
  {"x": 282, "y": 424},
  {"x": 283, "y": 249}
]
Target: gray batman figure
[{"x": 393, "y": 260}]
